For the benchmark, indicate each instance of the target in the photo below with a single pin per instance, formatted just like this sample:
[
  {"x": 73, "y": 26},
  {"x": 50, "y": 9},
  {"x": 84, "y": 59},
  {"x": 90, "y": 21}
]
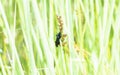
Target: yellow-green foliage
[{"x": 89, "y": 43}]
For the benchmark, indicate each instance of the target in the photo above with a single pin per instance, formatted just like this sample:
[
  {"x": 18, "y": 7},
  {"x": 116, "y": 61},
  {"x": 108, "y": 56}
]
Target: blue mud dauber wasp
[{"x": 58, "y": 37}]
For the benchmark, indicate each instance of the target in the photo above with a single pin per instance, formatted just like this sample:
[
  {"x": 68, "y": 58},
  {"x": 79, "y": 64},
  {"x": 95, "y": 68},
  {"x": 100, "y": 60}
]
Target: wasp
[{"x": 58, "y": 37}]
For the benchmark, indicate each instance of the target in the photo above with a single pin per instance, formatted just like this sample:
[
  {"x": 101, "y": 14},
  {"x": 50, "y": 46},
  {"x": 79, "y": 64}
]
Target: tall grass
[{"x": 28, "y": 31}]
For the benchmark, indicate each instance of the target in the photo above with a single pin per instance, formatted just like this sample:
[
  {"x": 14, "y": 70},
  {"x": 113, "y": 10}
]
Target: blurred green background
[{"x": 28, "y": 30}]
